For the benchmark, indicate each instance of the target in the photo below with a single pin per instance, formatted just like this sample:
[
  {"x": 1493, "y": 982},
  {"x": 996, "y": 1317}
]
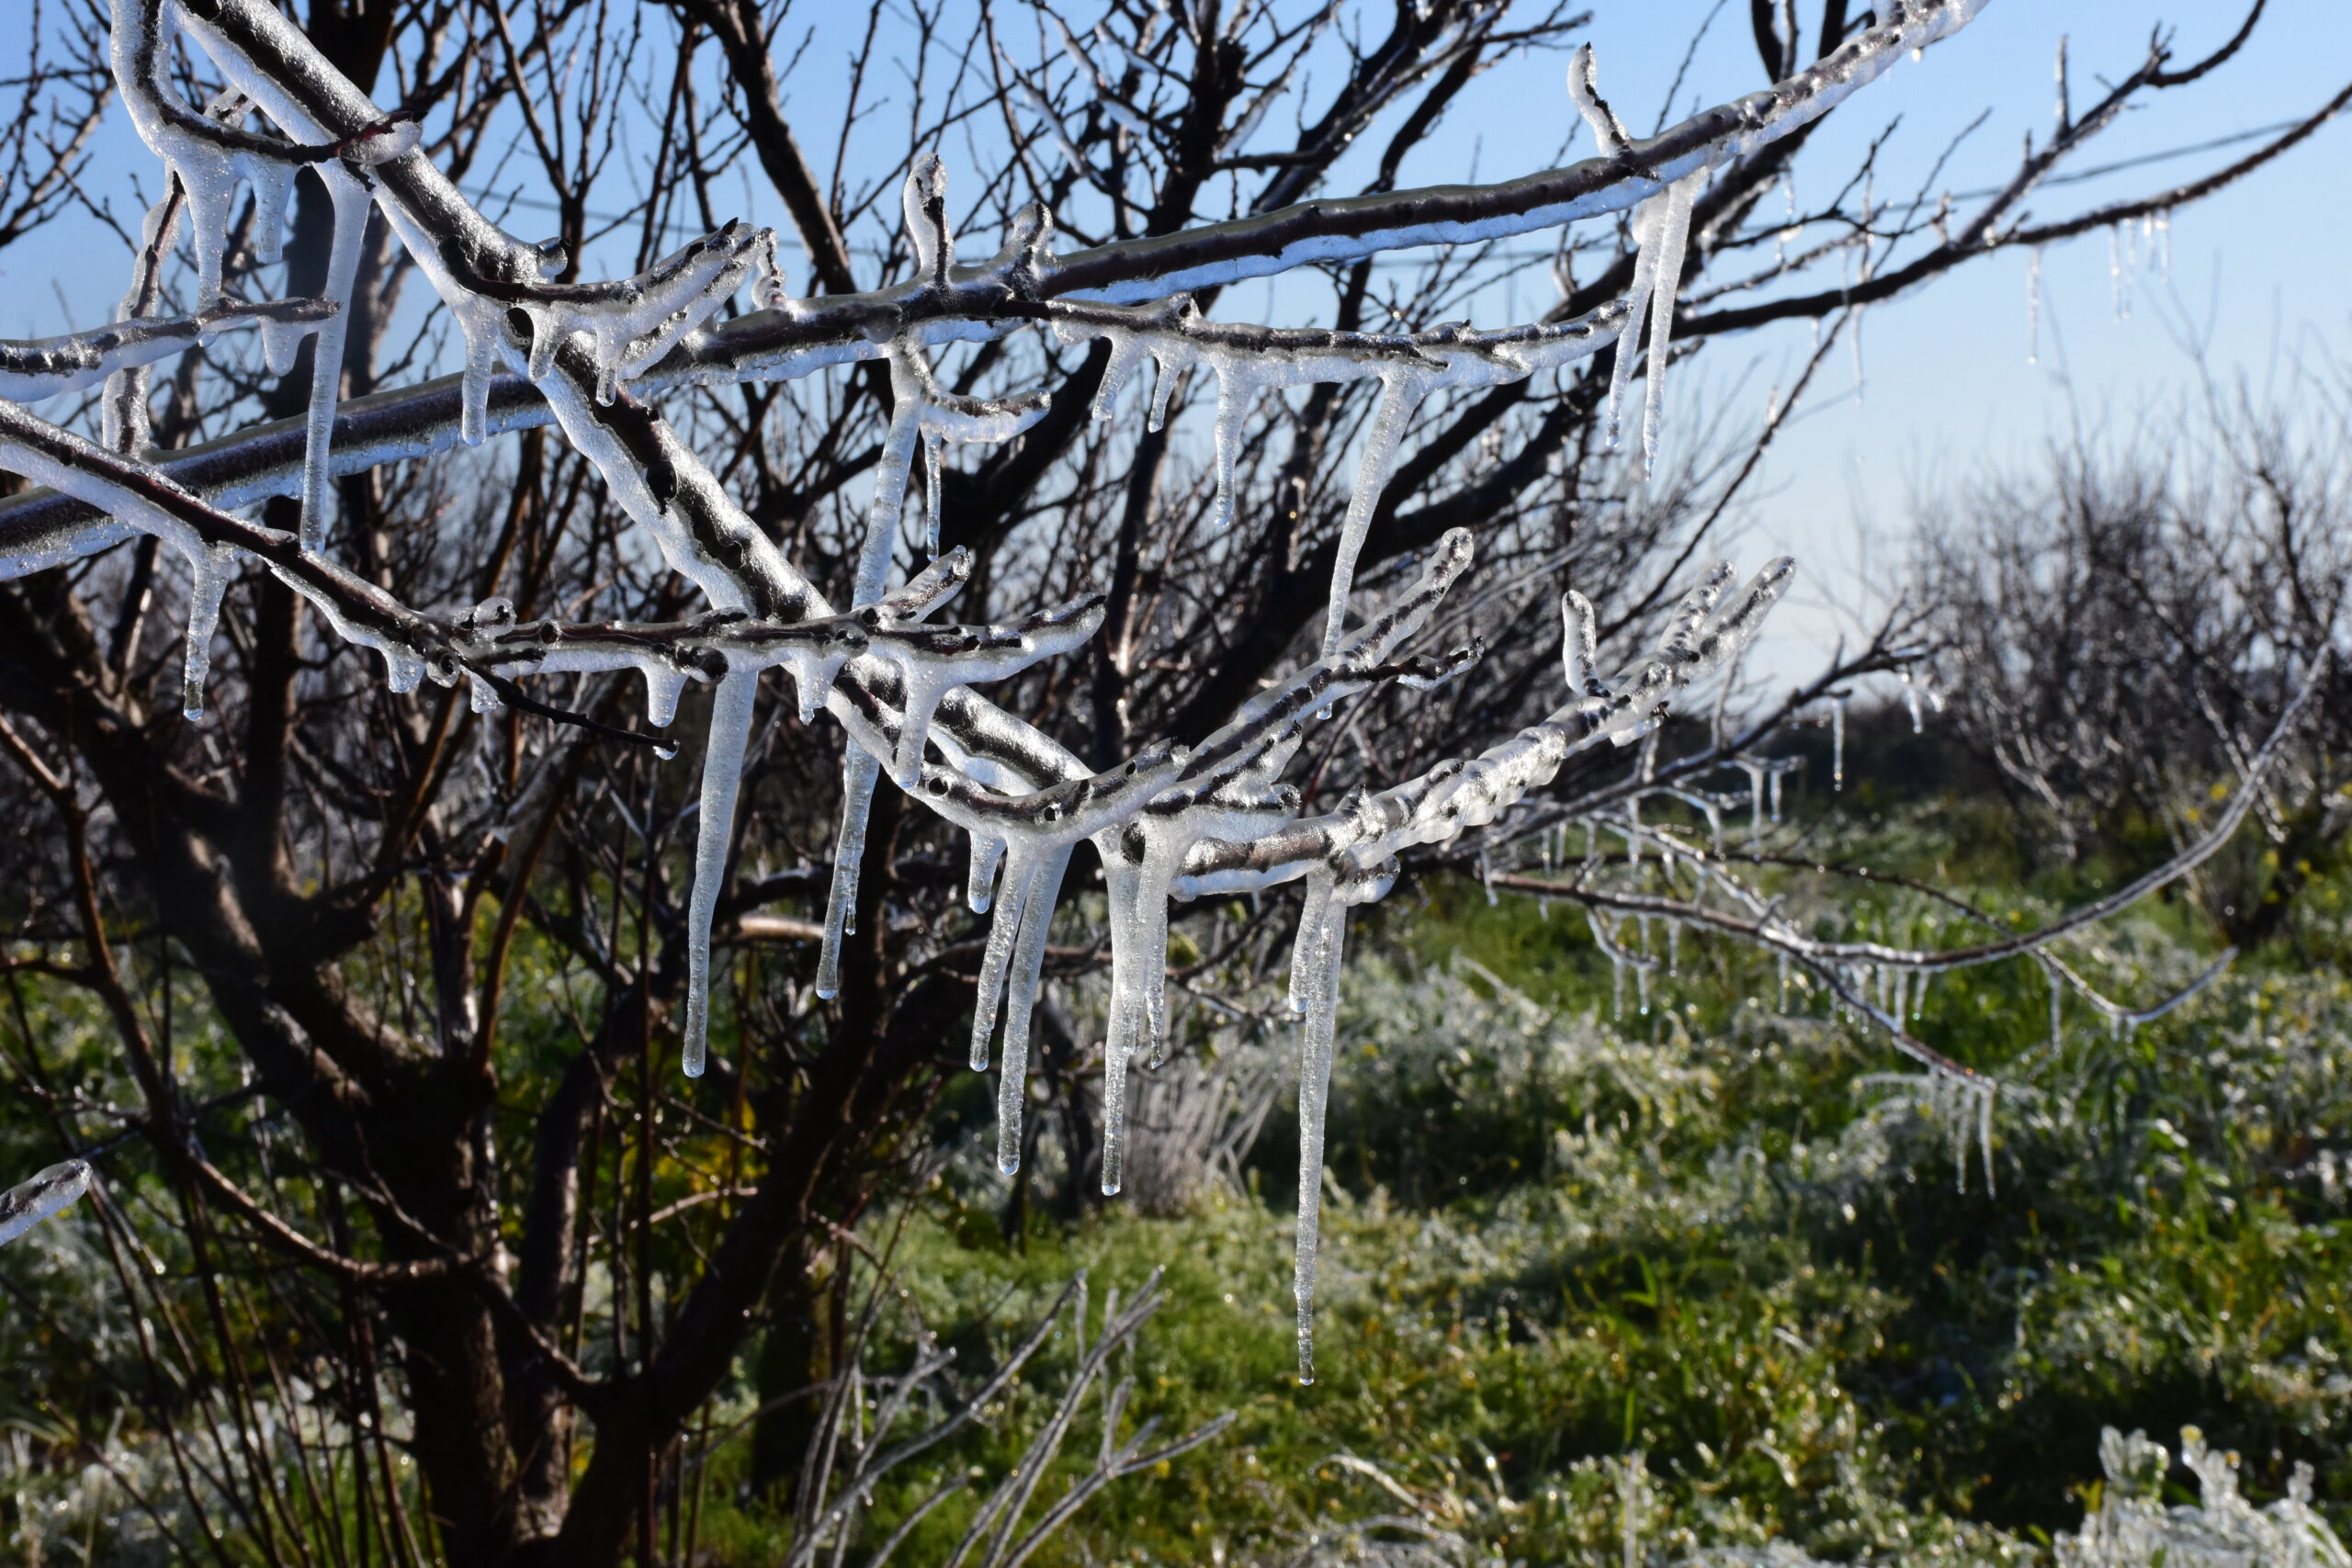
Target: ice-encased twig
[
  {"x": 48, "y": 367},
  {"x": 49, "y": 1192}
]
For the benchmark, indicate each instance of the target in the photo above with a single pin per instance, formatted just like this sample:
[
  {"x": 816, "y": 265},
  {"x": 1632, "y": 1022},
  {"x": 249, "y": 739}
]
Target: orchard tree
[{"x": 321, "y": 679}]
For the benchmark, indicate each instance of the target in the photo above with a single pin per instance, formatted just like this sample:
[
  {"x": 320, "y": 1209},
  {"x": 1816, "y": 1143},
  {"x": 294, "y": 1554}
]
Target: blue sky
[
  {"x": 2256, "y": 272},
  {"x": 1947, "y": 390}
]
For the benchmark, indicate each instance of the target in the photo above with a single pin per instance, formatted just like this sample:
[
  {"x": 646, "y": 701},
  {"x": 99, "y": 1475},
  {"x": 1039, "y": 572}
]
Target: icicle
[
  {"x": 1021, "y": 1004},
  {"x": 1315, "y": 961},
  {"x": 1911, "y": 698},
  {"x": 1637, "y": 300},
  {"x": 208, "y": 571},
  {"x": 1130, "y": 931},
  {"x": 931, "y": 443},
  {"x": 1837, "y": 741},
  {"x": 1127, "y": 353},
  {"x": 1854, "y": 344},
  {"x": 1662, "y": 241},
  {"x": 50, "y": 1191},
  {"x": 1579, "y": 634},
  {"x": 1984, "y": 1134},
  {"x": 2055, "y": 1036},
  {"x": 1019, "y": 875},
  {"x": 2163, "y": 245},
  {"x": 1784, "y": 981},
  {"x": 2033, "y": 306},
  {"x": 665, "y": 684},
  {"x": 1715, "y": 827},
  {"x": 988, "y": 853},
  {"x": 1163, "y": 388},
  {"x": 1754, "y": 801},
  {"x": 1633, "y": 833},
  {"x": 1401, "y": 392},
  {"x": 351, "y": 205},
  {"x": 859, "y": 772},
  {"x": 722, "y": 776},
  {"x": 2115, "y": 273},
  {"x": 1487, "y": 877},
  {"x": 1673, "y": 947},
  {"x": 1239, "y": 382},
  {"x": 281, "y": 343},
  {"x": 1775, "y": 781},
  {"x": 1616, "y": 988},
  {"x": 1642, "y": 987}
]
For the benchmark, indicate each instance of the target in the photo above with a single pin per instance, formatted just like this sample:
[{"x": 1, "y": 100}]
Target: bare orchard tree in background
[
  {"x": 2124, "y": 624},
  {"x": 329, "y": 729}
]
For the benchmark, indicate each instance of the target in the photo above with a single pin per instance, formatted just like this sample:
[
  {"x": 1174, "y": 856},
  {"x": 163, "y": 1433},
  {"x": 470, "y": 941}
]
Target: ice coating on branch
[
  {"x": 1249, "y": 361},
  {"x": 123, "y": 411},
  {"x": 1140, "y": 870},
  {"x": 933, "y": 660},
  {"x": 1584, "y": 91},
  {"x": 341, "y": 166},
  {"x": 209, "y": 571},
  {"x": 207, "y": 158},
  {"x": 722, "y": 775},
  {"x": 1579, "y": 643},
  {"x": 48, "y": 367},
  {"x": 630, "y": 324},
  {"x": 1037, "y": 831},
  {"x": 49, "y": 1193},
  {"x": 923, "y": 201},
  {"x": 1225, "y": 791}
]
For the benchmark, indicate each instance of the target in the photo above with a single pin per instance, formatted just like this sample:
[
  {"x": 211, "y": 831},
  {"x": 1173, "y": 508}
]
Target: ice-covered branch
[
  {"x": 48, "y": 367},
  {"x": 272, "y": 61},
  {"x": 49, "y": 1192}
]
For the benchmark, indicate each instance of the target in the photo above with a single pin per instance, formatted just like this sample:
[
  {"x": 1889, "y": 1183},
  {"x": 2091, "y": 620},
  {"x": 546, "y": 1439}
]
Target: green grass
[{"x": 1561, "y": 1238}]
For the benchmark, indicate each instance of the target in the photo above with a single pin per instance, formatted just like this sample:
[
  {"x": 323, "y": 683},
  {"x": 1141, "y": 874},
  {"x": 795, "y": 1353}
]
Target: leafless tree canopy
[
  {"x": 298, "y": 893},
  {"x": 2122, "y": 624}
]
